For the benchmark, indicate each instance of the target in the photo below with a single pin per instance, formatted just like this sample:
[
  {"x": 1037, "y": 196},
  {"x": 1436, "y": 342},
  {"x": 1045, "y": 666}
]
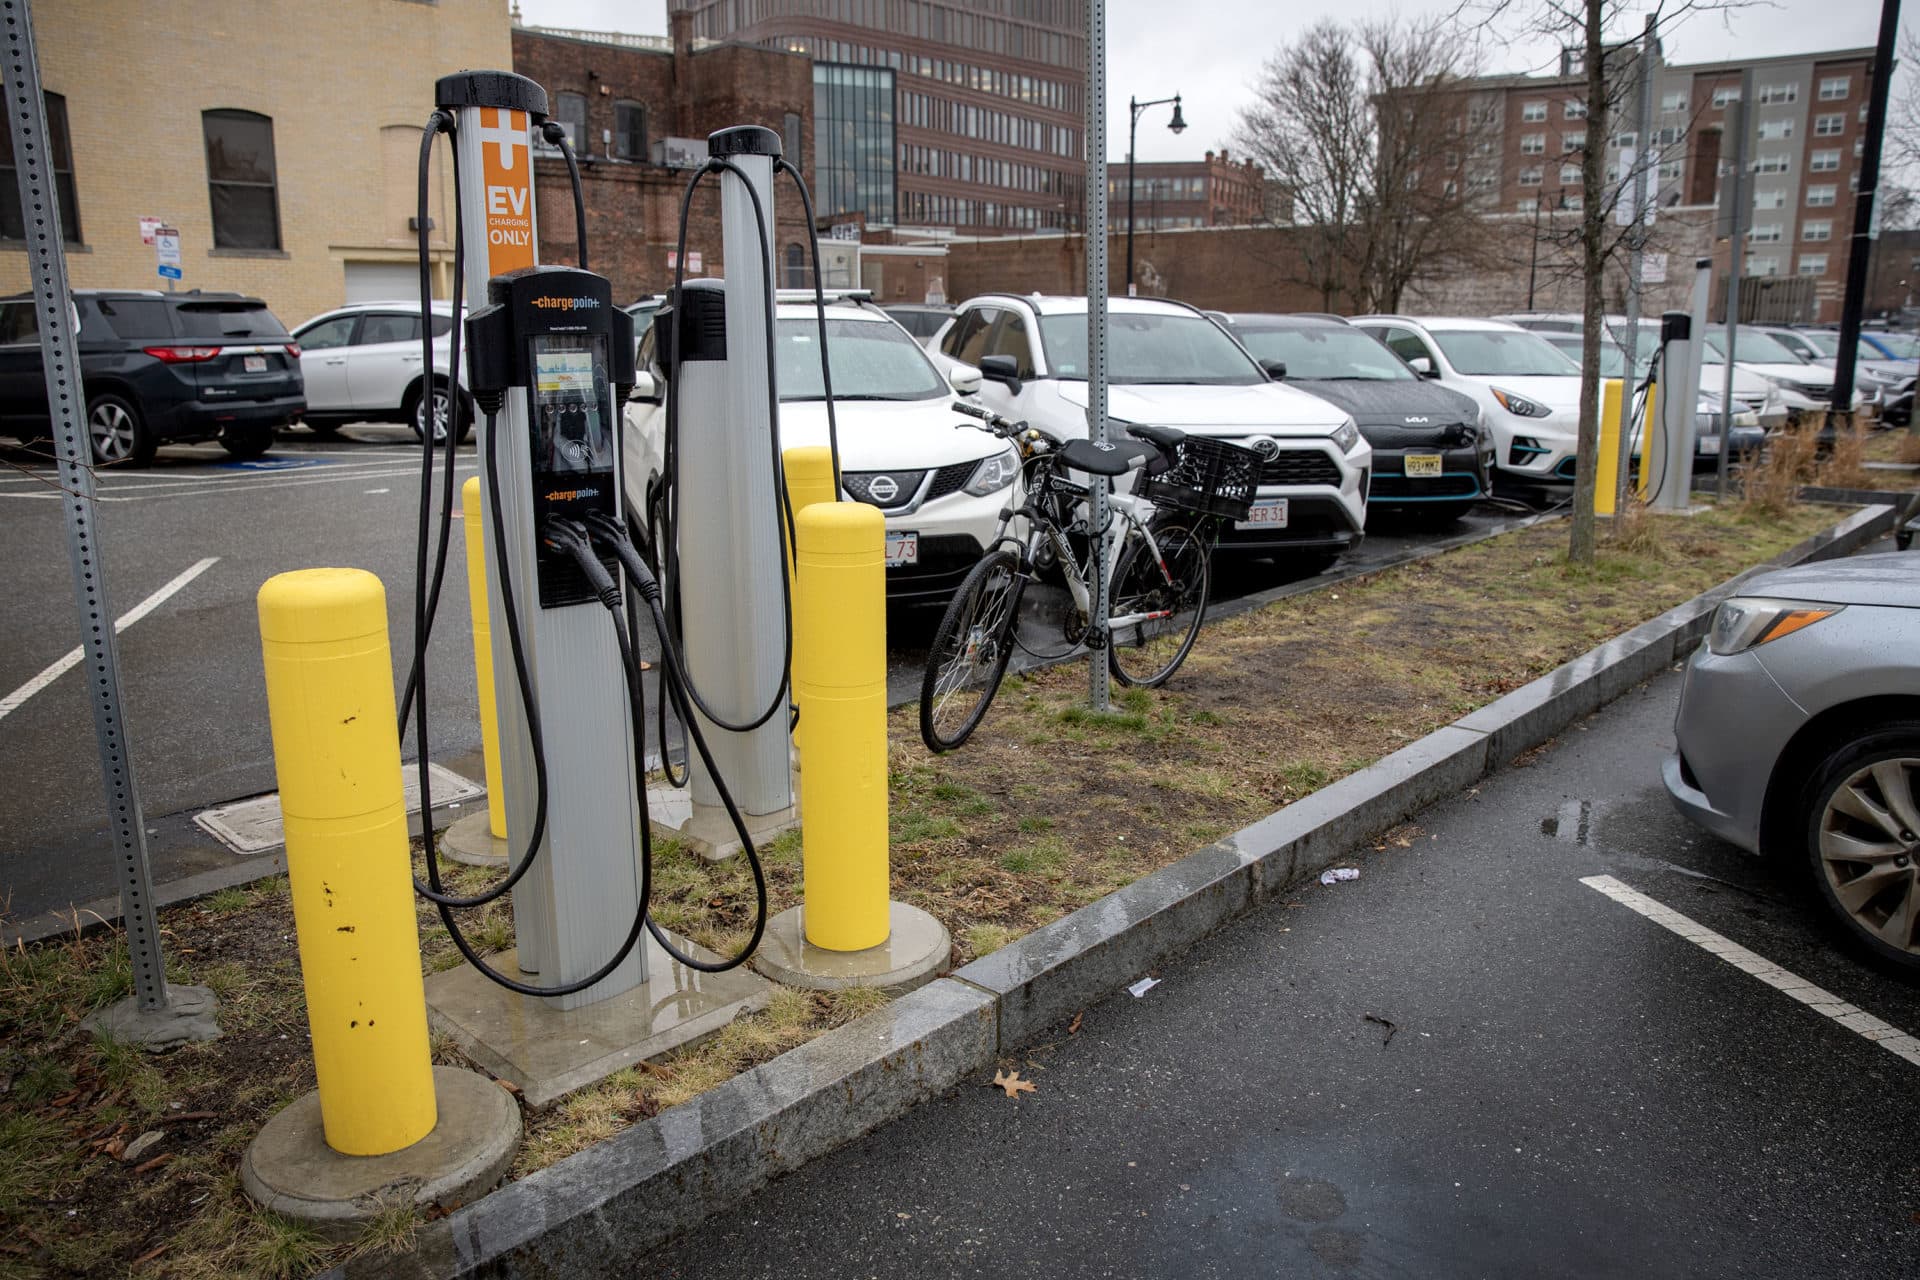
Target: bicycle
[{"x": 1158, "y": 568}]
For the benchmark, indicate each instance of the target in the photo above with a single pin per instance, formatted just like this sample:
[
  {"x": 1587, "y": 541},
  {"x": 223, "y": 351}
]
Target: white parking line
[
  {"x": 1820, "y": 1000},
  {"x": 216, "y": 485},
  {"x": 67, "y": 661}
]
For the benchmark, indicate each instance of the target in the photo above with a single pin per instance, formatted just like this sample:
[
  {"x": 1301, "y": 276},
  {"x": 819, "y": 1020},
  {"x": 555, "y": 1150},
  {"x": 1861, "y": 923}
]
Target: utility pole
[
  {"x": 1637, "y": 195},
  {"x": 1860, "y": 247}
]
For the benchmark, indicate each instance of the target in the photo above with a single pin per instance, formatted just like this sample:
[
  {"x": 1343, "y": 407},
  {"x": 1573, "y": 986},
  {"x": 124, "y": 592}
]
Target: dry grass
[
  {"x": 1789, "y": 461},
  {"x": 1844, "y": 467},
  {"x": 1047, "y": 810}
]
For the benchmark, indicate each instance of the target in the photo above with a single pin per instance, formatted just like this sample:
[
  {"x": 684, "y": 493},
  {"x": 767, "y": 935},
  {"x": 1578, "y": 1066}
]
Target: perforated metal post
[
  {"x": 66, "y": 405},
  {"x": 1100, "y": 512}
]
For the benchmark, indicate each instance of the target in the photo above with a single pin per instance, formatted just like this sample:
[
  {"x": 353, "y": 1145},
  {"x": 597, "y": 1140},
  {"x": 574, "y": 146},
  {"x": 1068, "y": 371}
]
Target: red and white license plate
[
  {"x": 254, "y": 364},
  {"x": 1267, "y": 513},
  {"x": 902, "y": 549}
]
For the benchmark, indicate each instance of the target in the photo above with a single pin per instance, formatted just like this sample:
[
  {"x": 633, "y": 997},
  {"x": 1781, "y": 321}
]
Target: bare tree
[
  {"x": 1364, "y": 125},
  {"x": 1900, "y": 151}
]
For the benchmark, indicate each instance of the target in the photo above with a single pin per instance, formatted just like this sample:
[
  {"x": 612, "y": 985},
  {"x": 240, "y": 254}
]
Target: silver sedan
[{"x": 1799, "y": 735}]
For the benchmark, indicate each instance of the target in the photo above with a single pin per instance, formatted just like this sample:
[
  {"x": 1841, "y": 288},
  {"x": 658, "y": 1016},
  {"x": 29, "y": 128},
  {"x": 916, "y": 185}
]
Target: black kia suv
[{"x": 159, "y": 368}]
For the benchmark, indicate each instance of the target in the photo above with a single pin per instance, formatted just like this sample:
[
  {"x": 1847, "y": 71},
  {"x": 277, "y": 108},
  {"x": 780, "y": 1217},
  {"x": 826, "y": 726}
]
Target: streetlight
[{"x": 1176, "y": 125}]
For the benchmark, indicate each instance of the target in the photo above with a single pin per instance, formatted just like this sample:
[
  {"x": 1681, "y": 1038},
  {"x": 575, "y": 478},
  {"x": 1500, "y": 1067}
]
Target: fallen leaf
[
  {"x": 154, "y": 1163},
  {"x": 509, "y": 1086},
  {"x": 147, "y": 1257},
  {"x": 1073, "y": 1028},
  {"x": 1013, "y": 1084}
]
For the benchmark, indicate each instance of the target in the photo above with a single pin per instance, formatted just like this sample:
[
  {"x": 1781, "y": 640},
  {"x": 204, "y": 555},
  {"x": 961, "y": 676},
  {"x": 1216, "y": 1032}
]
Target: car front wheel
[
  {"x": 117, "y": 433},
  {"x": 1862, "y": 837}
]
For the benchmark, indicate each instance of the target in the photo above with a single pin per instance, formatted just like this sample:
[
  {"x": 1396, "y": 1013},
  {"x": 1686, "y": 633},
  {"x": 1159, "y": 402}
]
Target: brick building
[
  {"x": 638, "y": 110},
  {"x": 1805, "y": 139},
  {"x": 933, "y": 113},
  {"x": 285, "y": 182},
  {"x": 1214, "y": 192}
]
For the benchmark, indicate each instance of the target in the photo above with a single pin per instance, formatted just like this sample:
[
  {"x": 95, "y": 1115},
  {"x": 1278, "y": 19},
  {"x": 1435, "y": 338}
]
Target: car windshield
[
  {"x": 1828, "y": 345},
  {"x": 871, "y": 360},
  {"x": 918, "y": 321},
  {"x": 228, "y": 320},
  {"x": 1324, "y": 352},
  {"x": 1903, "y": 345},
  {"x": 1512, "y": 353},
  {"x": 1751, "y": 345},
  {"x": 1148, "y": 348},
  {"x": 1613, "y": 357}
]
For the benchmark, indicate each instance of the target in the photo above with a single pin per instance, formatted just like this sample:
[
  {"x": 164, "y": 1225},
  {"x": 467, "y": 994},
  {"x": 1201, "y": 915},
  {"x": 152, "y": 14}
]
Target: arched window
[{"x": 241, "y": 179}]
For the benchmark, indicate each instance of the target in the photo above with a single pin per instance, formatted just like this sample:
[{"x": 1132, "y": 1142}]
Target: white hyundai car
[
  {"x": 940, "y": 482},
  {"x": 1803, "y": 390},
  {"x": 362, "y": 363},
  {"x": 1528, "y": 390},
  {"x": 1170, "y": 366}
]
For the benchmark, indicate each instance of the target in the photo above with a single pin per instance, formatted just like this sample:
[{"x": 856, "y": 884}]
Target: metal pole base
[
  {"x": 471, "y": 840},
  {"x": 187, "y": 1017},
  {"x": 706, "y": 829},
  {"x": 290, "y": 1169},
  {"x": 917, "y": 950}
]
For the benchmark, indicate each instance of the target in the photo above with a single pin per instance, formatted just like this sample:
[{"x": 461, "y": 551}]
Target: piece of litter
[
  {"x": 1333, "y": 875},
  {"x": 1143, "y": 986}
]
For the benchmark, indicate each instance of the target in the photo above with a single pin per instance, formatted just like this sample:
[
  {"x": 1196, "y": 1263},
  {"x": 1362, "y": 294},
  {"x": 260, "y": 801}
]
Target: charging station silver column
[
  {"x": 1679, "y": 398},
  {"x": 576, "y": 904},
  {"x": 732, "y": 565}
]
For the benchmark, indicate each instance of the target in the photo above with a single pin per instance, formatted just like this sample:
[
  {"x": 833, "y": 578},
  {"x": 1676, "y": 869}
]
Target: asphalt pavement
[
  {"x": 187, "y": 544},
  {"x": 1467, "y": 1062}
]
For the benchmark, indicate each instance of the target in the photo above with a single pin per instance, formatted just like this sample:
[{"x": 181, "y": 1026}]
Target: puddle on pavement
[{"x": 1573, "y": 823}]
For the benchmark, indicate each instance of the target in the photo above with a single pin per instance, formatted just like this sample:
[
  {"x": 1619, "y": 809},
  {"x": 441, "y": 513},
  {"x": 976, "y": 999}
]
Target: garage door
[{"x": 383, "y": 282}]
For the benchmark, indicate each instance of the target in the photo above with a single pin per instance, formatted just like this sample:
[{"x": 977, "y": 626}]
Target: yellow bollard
[
  {"x": 809, "y": 471},
  {"x": 1606, "y": 472},
  {"x": 323, "y": 635},
  {"x": 483, "y": 654},
  {"x": 840, "y": 680}
]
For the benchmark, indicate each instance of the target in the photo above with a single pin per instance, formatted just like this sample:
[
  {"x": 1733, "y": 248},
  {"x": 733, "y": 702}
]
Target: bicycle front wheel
[
  {"x": 970, "y": 651},
  {"x": 1156, "y": 604}
]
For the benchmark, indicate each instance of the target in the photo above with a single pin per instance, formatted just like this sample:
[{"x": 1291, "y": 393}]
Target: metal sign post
[
  {"x": 166, "y": 251},
  {"x": 154, "y": 1015},
  {"x": 1099, "y": 515},
  {"x": 1635, "y": 201},
  {"x": 1736, "y": 213}
]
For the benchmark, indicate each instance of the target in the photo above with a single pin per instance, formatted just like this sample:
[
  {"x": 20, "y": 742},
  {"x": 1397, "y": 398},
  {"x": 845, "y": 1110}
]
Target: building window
[
  {"x": 1670, "y": 170},
  {"x": 1830, "y": 126},
  {"x": 1771, "y": 94},
  {"x": 853, "y": 140},
  {"x": 1836, "y": 88},
  {"x": 1813, "y": 264},
  {"x": 1573, "y": 109},
  {"x": 1764, "y": 233},
  {"x": 1820, "y": 197},
  {"x": 1774, "y": 130},
  {"x": 1533, "y": 112},
  {"x": 13, "y": 220},
  {"x": 1569, "y": 175},
  {"x": 796, "y": 268},
  {"x": 629, "y": 131},
  {"x": 1530, "y": 177},
  {"x": 1817, "y": 229},
  {"x": 1626, "y": 139},
  {"x": 1769, "y": 199},
  {"x": 1674, "y": 101},
  {"x": 1533, "y": 144},
  {"x": 792, "y": 136},
  {"x": 1571, "y": 142},
  {"x": 570, "y": 109},
  {"x": 1859, "y": 148},
  {"x": 1722, "y": 96},
  {"x": 1763, "y": 266},
  {"x": 1574, "y": 201},
  {"x": 1527, "y": 204},
  {"x": 240, "y": 179},
  {"x": 1772, "y": 164},
  {"x": 1823, "y": 162}
]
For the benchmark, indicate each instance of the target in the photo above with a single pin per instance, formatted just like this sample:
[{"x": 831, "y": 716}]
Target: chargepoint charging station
[{"x": 1672, "y": 453}]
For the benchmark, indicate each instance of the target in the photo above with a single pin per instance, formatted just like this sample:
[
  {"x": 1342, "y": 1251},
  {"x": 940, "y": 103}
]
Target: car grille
[
  {"x": 1295, "y": 466},
  {"x": 899, "y": 488},
  {"x": 1388, "y": 486},
  {"x": 950, "y": 479}
]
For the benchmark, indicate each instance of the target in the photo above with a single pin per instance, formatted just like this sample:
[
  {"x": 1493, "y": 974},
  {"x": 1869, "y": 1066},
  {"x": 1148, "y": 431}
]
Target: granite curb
[{"x": 591, "y": 1214}]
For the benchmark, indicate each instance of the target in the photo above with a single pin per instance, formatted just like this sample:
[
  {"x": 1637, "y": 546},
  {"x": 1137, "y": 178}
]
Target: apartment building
[
  {"x": 1806, "y": 137},
  {"x": 929, "y": 113},
  {"x": 1213, "y": 192}
]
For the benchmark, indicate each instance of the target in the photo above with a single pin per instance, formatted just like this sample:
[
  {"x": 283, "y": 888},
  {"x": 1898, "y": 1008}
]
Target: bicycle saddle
[
  {"x": 1165, "y": 439},
  {"x": 1099, "y": 460}
]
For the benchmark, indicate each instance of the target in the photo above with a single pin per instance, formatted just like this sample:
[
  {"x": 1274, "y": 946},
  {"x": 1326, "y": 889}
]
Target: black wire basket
[{"x": 1207, "y": 476}]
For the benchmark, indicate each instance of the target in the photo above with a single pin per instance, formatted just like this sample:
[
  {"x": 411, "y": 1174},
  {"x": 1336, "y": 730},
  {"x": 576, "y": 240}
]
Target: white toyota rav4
[
  {"x": 940, "y": 484},
  {"x": 1170, "y": 366}
]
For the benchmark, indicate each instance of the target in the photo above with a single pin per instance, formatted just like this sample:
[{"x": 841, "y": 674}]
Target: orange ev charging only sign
[{"x": 506, "y": 170}]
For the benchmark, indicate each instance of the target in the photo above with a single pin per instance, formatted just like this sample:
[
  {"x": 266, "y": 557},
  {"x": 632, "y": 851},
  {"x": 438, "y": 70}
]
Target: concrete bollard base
[
  {"x": 290, "y": 1169},
  {"x": 917, "y": 950},
  {"x": 471, "y": 840}
]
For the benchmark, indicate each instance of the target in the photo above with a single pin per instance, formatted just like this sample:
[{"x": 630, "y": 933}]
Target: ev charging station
[{"x": 1678, "y": 401}]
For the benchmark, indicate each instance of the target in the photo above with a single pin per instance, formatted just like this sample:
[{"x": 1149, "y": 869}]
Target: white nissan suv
[
  {"x": 903, "y": 449},
  {"x": 1170, "y": 366},
  {"x": 1528, "y": 390}
]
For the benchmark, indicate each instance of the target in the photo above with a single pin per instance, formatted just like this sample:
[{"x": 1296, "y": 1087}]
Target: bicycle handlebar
[{"x": 1003, "y": 427}]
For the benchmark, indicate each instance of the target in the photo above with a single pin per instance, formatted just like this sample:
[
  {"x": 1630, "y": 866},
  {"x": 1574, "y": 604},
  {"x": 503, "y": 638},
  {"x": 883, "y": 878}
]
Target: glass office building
[
  {"x": 985, "y": 132},
  {"x": 853, "y": 140}
]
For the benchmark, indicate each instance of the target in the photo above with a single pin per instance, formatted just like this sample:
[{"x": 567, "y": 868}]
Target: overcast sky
[{"x": 1210, "y": 52}]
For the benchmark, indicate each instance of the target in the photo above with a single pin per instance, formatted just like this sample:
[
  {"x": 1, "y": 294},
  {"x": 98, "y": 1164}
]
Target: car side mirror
[
  {"x": 645, "y": 387},
  {"x": 964, "y": 378},
  {"x": 1423, "y": 366},
  {"x": 1003, "y": 370},
  {"x": 1276, "y": 369}
]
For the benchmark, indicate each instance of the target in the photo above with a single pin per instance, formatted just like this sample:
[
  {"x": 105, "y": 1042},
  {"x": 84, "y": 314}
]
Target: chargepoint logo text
[
  {"x": 506, "y": 164},
  {"x": 566, "y": 304}
]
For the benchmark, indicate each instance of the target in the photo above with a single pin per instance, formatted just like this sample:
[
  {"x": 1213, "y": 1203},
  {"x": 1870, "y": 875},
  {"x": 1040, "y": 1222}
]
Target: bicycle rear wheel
[
  {"x": 1172, "y": 589},
  {"x": 970, "y": 651}
]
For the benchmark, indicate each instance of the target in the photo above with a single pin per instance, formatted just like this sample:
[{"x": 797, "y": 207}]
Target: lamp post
[{"x": 1176, "y": 125}]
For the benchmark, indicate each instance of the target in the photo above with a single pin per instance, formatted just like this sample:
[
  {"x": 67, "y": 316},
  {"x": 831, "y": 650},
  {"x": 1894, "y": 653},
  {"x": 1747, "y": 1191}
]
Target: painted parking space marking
[
  {"x": 274, "y": 464},
  {"x": 71, "y": 659},
  {"x": 201, "y": 486},
  {"x": 1820, "y": 1000}
]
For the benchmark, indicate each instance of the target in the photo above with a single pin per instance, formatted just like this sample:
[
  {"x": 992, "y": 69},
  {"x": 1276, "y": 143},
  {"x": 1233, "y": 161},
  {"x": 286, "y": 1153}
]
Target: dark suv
[{"x": 159, "y": 368}]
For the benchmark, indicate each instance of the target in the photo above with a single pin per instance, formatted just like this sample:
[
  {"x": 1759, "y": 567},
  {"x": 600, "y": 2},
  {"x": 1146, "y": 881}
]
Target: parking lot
[{"x": 187, "y": 544}]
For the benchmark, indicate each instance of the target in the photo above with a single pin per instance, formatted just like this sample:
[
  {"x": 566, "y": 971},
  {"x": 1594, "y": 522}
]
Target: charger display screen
[{"x": 573, "y": 444}]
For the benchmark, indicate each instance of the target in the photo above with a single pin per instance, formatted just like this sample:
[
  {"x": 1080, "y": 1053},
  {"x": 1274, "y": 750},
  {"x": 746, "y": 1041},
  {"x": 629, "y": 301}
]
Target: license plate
[
  {"x": 902, "y": 549},
  {"x": 1423, "y": 464},
  {"x": 1710, "y": 445},
  {"x": 255, "y": 364},
  {"x": 1267, "y": 513}
]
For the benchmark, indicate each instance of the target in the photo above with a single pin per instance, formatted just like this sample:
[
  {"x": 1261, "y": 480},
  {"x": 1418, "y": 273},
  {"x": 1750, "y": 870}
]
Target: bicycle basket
[{"x": 1209, "y": 476}]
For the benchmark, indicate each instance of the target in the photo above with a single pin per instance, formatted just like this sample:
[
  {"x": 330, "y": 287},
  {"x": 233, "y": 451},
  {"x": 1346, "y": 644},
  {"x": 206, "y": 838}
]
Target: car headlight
[
  {"x": 1346, "y": 437},
  {"x": 1746, "y": 622},
  {"x": 1519, "y": 406},
  {"x": 1789, "y": 386},
  {"x": 994, "y": 474}
]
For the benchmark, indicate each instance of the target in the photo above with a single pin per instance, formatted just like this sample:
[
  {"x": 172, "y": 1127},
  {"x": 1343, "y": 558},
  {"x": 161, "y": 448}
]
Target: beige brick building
[{"x": 299, "y": 185}]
